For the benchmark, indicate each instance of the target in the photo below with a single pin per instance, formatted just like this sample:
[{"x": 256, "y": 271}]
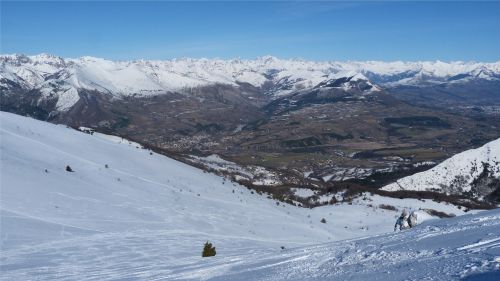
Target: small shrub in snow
[
  {"x": 323, "y": 220},
  {"x": 208, "y": 250},
  {"x": 387, "y": 207},
  {"x": 106, "y": 166},
  {"x": 438, "y": 214},
  {"x": 68, "y": 169}
]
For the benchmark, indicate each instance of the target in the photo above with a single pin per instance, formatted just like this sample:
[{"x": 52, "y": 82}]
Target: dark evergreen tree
[
  {"x": 208, "y": 250},
  {"x": 68, "y": 169}
]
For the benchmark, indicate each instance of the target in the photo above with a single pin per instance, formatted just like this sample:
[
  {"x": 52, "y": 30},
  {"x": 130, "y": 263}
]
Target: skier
[
  {"x": 412, "y": 219},
  {"x": 402, "y": 222}
]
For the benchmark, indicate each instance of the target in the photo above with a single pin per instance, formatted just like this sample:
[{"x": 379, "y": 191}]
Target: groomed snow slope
[
  {"x": 145, "y": 215},
  {"x": 457, "y": 172}
]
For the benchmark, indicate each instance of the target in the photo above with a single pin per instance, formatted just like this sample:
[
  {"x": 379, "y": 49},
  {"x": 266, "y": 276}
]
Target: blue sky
[{"x": 310, "y": 30}]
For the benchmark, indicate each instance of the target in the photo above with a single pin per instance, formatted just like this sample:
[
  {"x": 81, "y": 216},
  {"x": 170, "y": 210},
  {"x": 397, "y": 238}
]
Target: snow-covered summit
[
  {"x": 151, "y": 77},
  {"x": 476, "y": 170},
  {"x": 348, "y": 80}
]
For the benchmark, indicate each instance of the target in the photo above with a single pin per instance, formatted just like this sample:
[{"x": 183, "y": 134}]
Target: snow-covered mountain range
[
  {"x": 476, "y": 171},
  {"x": 63, "y": 78}
]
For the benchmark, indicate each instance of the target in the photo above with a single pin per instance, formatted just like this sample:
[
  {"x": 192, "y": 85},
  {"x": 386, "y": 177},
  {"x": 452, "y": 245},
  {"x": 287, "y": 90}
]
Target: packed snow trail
[{"x": 127, "y": 213}]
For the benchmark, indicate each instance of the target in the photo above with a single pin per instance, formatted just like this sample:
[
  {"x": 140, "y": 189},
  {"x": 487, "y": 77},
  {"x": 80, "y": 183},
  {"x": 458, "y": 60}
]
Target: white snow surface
[
  {"x": 459, "y": 171},
  {"x": 63, "y": 77},
  {"x": 147, "y": 216},
  {"x": 464, "y": 248}
]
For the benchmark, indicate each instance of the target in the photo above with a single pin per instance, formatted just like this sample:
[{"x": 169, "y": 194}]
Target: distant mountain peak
[{"x": 152, "y": 77}]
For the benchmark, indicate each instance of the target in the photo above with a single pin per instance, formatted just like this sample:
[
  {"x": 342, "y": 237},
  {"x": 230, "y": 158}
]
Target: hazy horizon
[{"x": 250, "y": 59}]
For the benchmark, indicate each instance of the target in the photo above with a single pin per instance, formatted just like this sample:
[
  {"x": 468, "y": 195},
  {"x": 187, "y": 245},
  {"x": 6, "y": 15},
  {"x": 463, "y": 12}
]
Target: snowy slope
[
  {"x": 137, "y": 191},
  {"x": 55, "y": 76},
  {"x": 456, "y": 174},
  {"x": 465, "y": 248},
  {"x": 144, "y": 211}
]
